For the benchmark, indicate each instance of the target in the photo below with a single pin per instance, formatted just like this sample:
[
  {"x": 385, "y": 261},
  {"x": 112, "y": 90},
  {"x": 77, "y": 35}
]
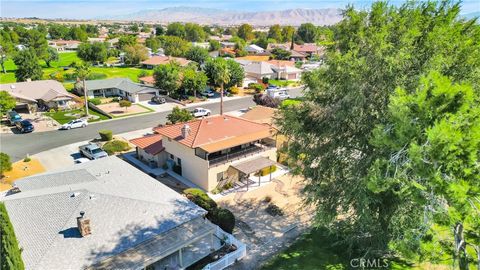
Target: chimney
[
  {"x": 185, "y": 131},
  {"x": 83, "y": 224}
]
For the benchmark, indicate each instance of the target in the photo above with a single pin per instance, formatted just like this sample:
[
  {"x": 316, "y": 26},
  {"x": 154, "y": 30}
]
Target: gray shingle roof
[
  {"x": 126, "y": 207},
  {"x": 123, "y": 84},
  {"x": 37, "y": 90}
]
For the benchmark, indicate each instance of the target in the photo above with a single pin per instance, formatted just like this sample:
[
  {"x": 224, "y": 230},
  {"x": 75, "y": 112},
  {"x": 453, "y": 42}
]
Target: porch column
[
  {"x": 180, "y": 257},
  {"x": 270, "y": 173},
  {"x": 103, "y": 92},
  {"x": 259, "y": 176}
]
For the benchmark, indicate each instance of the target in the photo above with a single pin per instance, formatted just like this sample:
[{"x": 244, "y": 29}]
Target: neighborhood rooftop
[
  {"x": 216, "y": 132},
  {"x": 36, "y": 90},
  {"x": 129, "y": 212},
  {"x": 123, "y": 84}
]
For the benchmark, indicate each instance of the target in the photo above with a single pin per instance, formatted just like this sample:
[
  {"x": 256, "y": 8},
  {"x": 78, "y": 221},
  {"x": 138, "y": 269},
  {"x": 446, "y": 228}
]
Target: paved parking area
[
  {"x": 39, "y": 121},
  {"x": 167, "y": 106}
]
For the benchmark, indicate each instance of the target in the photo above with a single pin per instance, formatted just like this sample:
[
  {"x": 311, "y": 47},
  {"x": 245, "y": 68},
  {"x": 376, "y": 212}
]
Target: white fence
[{"x": 231, "y": 257}]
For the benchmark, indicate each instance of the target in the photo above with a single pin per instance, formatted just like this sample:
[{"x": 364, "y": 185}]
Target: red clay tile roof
[
  {"x": 162, "y": 60},
  {"x": 307, "y": 47},
  {"x": 147, "y": 79},
  {"x": 151, "y": 144},
  {"x": 281, "y": 63},
  {"x": 220, "y": 129}
]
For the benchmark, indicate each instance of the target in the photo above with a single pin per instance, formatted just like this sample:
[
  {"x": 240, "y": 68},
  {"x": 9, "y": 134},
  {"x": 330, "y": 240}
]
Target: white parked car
[
  {"x": 208, "y": 93},
  {"x": 77, "y": 123},
  {"x": 280, "y": 93},
  {"x": 199, "y": 112}
]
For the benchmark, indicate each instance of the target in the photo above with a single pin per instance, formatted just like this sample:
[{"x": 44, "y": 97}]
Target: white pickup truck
[{"x": 92, "y": 151}]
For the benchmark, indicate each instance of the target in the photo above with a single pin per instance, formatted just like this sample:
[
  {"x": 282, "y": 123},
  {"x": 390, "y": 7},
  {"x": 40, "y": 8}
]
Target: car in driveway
[
  {"x": 92, "y": 151},
  {"x": 158, "y": 99},
  {"x": 200, "y": 112},
  {"x": 13, "y": 117},
  {"x": 24, "y": 126},
  {"x": 208, "y": 93},
  {"x": 77, "y": 123}
]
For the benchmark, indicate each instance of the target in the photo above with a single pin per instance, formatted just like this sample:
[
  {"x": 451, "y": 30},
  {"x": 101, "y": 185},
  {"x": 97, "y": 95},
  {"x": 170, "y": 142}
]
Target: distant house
[
  {"x": 106, "y": 214},
  {"x": 210, "y": 151},
  {"x": 118, "y": 87},
  {"x": 64, "y": 45},
  {"x": 253, "y": 58},
  {"x": 254, "y": 49},
  {"x": 297, "y": 56},
  {"x": 281, "y": 70},
  {"x": 226, "y": 51},
  {"x": 147, "y": 80},
  {"x": 33, "y": 94},
  {"x": 227, "y": 44},
  {"x": 309, "y": 49},
  {"x": 154, "y": 61}
]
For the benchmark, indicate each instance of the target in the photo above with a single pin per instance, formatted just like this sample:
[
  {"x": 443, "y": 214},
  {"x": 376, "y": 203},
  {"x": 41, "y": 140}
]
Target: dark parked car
[
  {"x": 158, "y": 99},
  {"x": 13, "y": 117},
  {"x": 24, "y": 126}
]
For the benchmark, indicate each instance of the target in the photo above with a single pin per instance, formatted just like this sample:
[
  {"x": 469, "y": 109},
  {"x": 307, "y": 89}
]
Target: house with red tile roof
[
  {"x": 210, "y": 151},
  {"x": 154, "y": 61}
]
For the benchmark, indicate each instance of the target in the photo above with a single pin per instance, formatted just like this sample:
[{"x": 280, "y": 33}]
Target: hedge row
[
  {"x": 217, "y": 215},
  {"x": 10, "y": 253}
]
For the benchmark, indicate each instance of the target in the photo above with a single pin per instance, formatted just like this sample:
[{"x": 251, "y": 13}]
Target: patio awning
[
  {"x": 160, "y": 246},
  {"x": 254, "y": 165}
]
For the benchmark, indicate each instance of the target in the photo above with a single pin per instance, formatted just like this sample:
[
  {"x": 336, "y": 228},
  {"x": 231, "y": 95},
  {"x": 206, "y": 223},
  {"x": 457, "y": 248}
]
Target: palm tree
[
  {"x": 82, "y": 71},
  {"x": 220, "y": 76}
]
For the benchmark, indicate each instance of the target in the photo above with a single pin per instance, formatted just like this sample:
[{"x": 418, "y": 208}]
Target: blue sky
[{"x": 96, "y": 8}]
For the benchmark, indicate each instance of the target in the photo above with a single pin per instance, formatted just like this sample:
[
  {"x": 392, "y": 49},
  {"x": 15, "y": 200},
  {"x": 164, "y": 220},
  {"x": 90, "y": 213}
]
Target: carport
[{"x": 253, "y": 166}]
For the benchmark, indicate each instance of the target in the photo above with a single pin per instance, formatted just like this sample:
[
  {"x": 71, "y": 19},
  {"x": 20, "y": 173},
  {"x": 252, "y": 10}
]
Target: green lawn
[
  {"x": 310, "y": 251},
  {"x": 65, "y": 59},
  {"x": 62, "y": 118}
]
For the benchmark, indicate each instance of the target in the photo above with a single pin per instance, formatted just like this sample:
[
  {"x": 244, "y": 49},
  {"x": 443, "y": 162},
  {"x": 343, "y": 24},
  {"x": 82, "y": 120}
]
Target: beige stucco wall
[
  {"x": 193, "y": 168},
  {"x": 158, "y": 159},
  {"x": 196, "y": 169}
]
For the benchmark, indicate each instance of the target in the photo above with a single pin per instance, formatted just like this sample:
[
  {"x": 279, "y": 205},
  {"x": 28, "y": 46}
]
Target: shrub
[
  {"x": 105, "y": 135},
  {"x": 95, "y": 101},
  {"x": 27, "y": 159},
  {"x": 5, "y": 163},
  {"x": 234, "y": 90},
  {"x": 267, "y": 170},
  {"x": 267, "y": 199},
  {"x": 10, "y": 257},
  {"x": 266, "y": 100},
  {"x": 223, "y": 218},
  {"x": 265, "y": 80},
  {"x": 125, "y": 103},
  {"x": 257, "y": 87},
  {"x": 200, "y": 198},
  {"x": 115, "y": 146},
  {"x": 274, "y": 210}
]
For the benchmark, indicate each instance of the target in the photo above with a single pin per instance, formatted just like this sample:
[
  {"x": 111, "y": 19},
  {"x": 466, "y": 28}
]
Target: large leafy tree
[
  {"x": 27, "y": 66},
  {"x": 5, "y": 163},
  {"x": 236, "y": 74},
  {"x": 7, "y": 102},
  {"x": 135, "y": 54},
  {"x": 126, "y": 40},
  {"x": 34, "y": 39},
  {"x": 95, "y": 52},
  {"x": 332, "y": 131},
  {"x": 275, "y": 32},
  {"x": 428, "y": 167},
  {"x": 245, "y": 31},
  {"x": 193, "y": 81},
  {"x": 51, "y": 56},
  {"x": 179, "y": 116},
  {"x": 307, "y": 32},
  {"x": 194, "y": 32},
  {"x": 197, "y": 54},
  {"x": 176, "y": 29},
  {"x": 175, "y": 46},
  {"x": 167, "y": 77}
]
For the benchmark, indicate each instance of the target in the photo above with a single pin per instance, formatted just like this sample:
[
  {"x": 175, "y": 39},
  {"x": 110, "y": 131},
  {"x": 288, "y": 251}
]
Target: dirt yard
[
  {"x": 19, "y": 170},
  {"x": 115, "y": 109},
  {"x": 263, "y": 233}
]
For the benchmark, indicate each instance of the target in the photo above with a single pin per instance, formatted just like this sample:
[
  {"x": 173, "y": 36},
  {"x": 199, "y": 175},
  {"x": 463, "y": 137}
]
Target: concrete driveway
[
  {"x": 167, "y": 106},
  {"x": 39, "y": 121}
]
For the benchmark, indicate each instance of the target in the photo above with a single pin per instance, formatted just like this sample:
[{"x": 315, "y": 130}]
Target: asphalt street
[{"x": 19, "y": 145}]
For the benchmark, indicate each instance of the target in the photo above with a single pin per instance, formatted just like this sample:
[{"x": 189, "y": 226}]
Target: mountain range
[{"x": 222, "y": 17}]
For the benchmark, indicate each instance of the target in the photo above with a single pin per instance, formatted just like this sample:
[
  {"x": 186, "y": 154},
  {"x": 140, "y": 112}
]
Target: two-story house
[{"x": 210, "y": 151}]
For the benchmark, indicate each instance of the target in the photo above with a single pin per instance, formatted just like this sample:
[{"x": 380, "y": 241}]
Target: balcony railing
[{"x": 239, "y": 154}]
